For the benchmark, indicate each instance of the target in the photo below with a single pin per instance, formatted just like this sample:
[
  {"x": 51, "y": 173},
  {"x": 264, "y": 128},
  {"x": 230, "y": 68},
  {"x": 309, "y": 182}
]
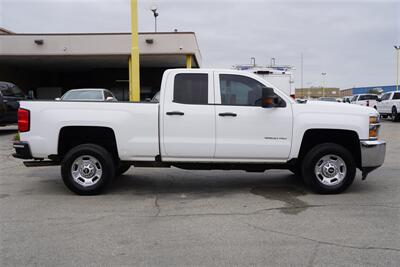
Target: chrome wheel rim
[
  {"x": 330, "y": 170},
  {"x": 86, "y": 170}
]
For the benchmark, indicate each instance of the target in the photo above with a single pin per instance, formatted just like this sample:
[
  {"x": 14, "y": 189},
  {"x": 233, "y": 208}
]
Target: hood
[{"x": 335, "y": 108}]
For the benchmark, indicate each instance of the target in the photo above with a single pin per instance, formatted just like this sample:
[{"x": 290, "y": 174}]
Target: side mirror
[
  {"x": 270, "y": 99},
  {"x": 57, "y": 99},
  {"x": 110, "y": 98}
]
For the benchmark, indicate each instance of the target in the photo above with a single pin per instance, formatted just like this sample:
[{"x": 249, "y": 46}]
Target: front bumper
[
  {"x": 372, "y": 155},
  {"x": 22, "y": 150}
]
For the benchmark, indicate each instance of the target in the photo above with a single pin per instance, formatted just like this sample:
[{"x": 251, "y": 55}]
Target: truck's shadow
[
  {"x": 7, "y": 131},
  {"x": 201, "y": 183}
]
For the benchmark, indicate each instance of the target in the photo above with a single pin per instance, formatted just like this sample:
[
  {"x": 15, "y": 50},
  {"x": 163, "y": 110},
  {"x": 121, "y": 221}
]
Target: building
[
  {"x": 316, "y": 92},
  {"x": 51, "y": 64},
  {"x": 373, "y": 89},
  {"x": 346, "y": 92}
]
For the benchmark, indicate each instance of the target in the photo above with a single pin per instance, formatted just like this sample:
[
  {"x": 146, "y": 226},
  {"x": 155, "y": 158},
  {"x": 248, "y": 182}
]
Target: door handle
[
  {"x": 179, "y": 113},
  {"x": 227, "y": 114}
]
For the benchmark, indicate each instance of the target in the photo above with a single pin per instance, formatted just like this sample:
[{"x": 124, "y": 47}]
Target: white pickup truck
[
  {"x": 389, "y": 105},
  {"x": 206, "y": 119},
  {"x": 367, "y": 100}
]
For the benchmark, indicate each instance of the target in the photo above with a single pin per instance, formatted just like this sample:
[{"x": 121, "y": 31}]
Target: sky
[{"x": 352, "y": 41}]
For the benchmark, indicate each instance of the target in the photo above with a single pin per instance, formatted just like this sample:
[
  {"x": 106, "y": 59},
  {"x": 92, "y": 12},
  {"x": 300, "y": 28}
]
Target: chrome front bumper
[{"x": 372, "y": 155}]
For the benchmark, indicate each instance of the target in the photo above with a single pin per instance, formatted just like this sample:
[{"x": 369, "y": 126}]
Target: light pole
[
  {"x": 155, "y": 13},
  {"x": 253, "y": 61},
  {"x": 397, "y": 47},
  {"x": 323, "y": 83}
]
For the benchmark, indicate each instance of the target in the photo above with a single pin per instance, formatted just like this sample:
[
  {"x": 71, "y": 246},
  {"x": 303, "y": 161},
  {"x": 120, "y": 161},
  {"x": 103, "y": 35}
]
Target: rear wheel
[
  {"x": 328, "y": 168},
  {"x": 87, "y": 169},
  {"x": 395, "y": 115}
]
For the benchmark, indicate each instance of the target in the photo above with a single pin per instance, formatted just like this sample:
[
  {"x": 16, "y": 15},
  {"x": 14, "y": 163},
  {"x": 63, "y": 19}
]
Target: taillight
[
  {"x": 293, "y": 96},
  {"x": 23, "y": 120}
]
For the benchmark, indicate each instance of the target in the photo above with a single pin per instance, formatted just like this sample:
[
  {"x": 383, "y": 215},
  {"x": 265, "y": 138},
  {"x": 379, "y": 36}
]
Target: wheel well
[
  {"x": 72, "y": 136},
  {"x": 346, "y": 138}
]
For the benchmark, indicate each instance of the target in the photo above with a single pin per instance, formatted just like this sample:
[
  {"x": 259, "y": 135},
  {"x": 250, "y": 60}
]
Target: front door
[
  {"x": 245, "y": 131},
  {"x": 188, "y": 117}
]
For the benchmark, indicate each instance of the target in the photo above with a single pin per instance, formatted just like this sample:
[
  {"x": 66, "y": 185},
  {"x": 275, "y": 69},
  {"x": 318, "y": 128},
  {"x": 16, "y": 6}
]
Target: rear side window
[
  {"x": 191, "y": 88},
  {"x": 396, "y": 96}
]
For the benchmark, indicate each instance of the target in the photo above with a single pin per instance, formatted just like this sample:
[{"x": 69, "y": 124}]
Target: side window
[
  {"x": 385, "y": 96},
  {"x": 354, "y": 98},
  {"x": 396, "y": 96},
  {"x": 191, "y": 88},
  {"x": 240, "y": 90}
]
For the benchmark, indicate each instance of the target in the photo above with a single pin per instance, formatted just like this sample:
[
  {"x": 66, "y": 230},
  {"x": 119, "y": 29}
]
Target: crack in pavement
[
  {"x": 157, "y": 206},
  {"x": 319, "y": 242},
  {"x": 256, "y": 212}
]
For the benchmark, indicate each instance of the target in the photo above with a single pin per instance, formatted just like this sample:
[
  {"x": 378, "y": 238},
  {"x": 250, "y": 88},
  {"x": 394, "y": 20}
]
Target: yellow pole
[
  {"x": 134, "y": 77},
  {"x": 188, "y": 61},
  {"x": 397, "y": 80}
]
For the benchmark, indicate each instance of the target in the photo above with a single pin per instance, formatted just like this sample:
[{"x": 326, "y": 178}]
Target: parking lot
[{"x": 172, "y": 217}]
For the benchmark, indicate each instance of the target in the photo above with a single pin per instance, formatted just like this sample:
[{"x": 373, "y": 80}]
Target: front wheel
[
  {"x": 329, "y": 168},
  {"x": 87, "y": 169}
]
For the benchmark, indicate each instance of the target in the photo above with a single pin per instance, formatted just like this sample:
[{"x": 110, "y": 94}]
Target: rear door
[
  {"x": 188, "y": 116},
  {"x": 245, "y": 131}
]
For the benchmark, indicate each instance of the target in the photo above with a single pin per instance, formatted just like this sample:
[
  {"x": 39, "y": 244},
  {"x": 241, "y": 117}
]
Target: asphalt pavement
[{"x": 172, "y": 217}]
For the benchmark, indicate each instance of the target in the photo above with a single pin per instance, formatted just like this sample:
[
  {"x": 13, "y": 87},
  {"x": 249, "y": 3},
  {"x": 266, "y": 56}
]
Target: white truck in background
[
  {"x": 389, "y": 105},
  {"x": 367, "y": 100},
  {"x": 279, "y": 76},
  {"x": 206, "y": 119}
]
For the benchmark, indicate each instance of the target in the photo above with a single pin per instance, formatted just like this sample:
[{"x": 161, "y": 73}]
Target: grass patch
[{"x": 16, "y": 137}]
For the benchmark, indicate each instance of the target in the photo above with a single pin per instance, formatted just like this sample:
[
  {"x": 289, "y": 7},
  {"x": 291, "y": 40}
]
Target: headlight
[
  {"x": 374, "y": 126},
  {"x": 374, "y": 119}
]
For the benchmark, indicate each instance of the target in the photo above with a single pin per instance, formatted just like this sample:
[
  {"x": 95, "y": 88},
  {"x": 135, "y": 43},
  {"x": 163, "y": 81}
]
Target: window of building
[
  {"x": 191, "y": 88},
  {"x": 240, "y": 90}
]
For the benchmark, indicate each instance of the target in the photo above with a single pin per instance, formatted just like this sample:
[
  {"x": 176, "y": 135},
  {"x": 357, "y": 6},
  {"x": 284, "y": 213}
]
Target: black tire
[
  {"x": 314, "y": 157},
  {"x": 395, "y": 115},
  {"x": 122, "y": 168},
  {"x": 103, "y": 161},
  {"x": 384, "y": 116}
]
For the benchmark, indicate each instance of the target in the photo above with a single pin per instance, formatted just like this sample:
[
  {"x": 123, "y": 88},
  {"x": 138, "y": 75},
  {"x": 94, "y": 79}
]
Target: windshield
[
  {"x": 156, "y": 97},
  {"x": 9, "y": 89},
  {"x": 83, "y": 95},
  {"x": 368, "y": 97}
]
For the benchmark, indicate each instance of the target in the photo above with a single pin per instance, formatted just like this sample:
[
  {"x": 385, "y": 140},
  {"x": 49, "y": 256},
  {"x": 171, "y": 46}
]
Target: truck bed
[{"x": 135, "y": 125}]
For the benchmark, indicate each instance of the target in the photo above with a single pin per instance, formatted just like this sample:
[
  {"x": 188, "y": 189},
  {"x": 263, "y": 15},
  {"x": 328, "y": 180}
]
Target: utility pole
[
  {"x": 323, "y": 83},
  {"x": 397, "y": 73},
  {"x": 134, "y": 77},
  {"x": 302, "y": 70}
]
